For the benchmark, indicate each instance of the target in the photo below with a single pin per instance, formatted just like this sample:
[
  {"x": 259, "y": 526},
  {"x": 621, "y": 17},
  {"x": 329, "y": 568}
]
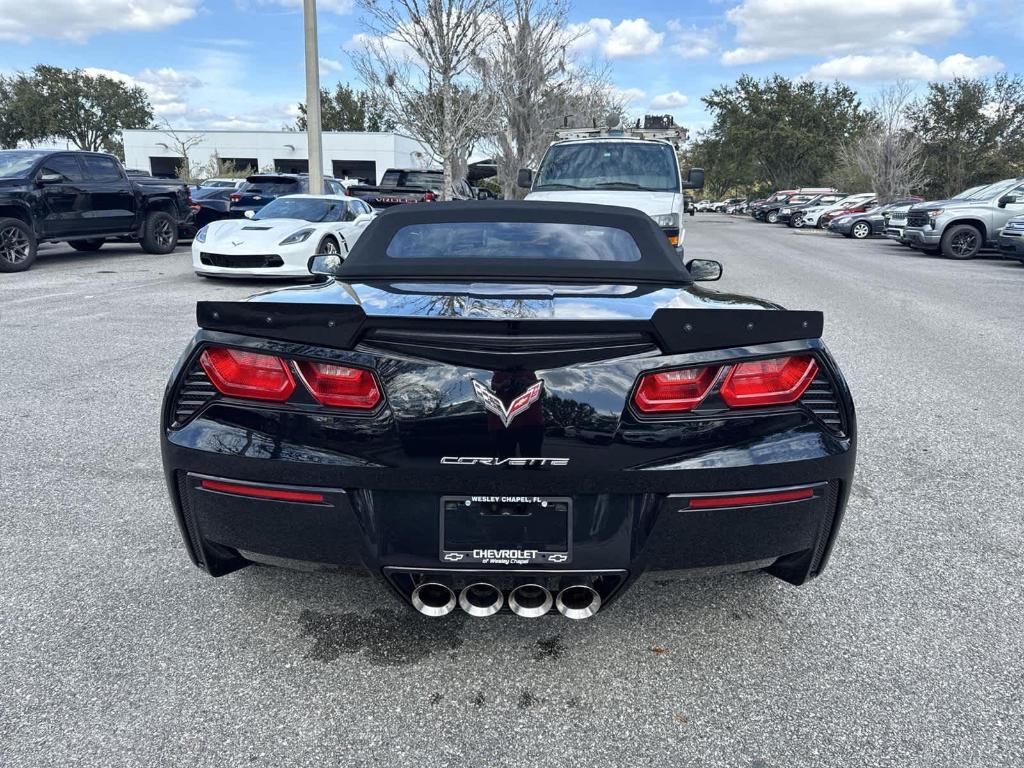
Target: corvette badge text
[{"x": 512, "y": 461}]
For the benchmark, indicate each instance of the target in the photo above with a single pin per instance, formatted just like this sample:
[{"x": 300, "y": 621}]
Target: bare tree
[
  {"x": 537, "y": 88},
  {"x": 181, "y": 144},
  {"x": 419, "y": 60},
  {"x": 888, "y": 152}
]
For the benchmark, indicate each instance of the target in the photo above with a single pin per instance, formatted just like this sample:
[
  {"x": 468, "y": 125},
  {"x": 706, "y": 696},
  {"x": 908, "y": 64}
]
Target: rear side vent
[
  {"x": 821, "y": 399},
  {"x": 195, "y": 391}
]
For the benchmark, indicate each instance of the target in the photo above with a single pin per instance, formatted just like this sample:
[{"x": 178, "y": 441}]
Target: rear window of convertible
[{"x": 512, "y": 240}]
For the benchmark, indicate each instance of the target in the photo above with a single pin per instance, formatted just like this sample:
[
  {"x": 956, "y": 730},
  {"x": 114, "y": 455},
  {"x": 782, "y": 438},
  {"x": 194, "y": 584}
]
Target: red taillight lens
[
  {"x": 752, "y": 499},
  {"x": 260, "y": 492},
  {"x": 680, "y": 390},
  {"x": 240, "y": 373},
  {"x": 777, "y": 381},
  {"x": 340, "y": 386},
  {"x": 429, "y": 197},
  {"x": 235, "y": 197}
]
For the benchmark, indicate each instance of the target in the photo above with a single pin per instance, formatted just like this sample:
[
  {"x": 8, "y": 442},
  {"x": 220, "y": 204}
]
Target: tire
[
  {"x": 797, "y": 222},
  {"x": 87, "y": 245},
  {"x": 329, "y": 245},
  {"x": 18, "y": 246},
  {"x": 961, "y": 242},
  {"x": 772, "y": 218},
  {"x": 159, "y": 233},
  {"x": 860, "y": 231}
]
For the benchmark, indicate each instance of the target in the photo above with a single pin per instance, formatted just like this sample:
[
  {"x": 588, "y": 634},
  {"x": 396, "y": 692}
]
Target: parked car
[
  {"x": 959, "y": 228},
  {"x": 796, "y": 205},
  {"x": 867, "y": 224},
  {"x": 280, "y": 239},
  {"x": 722, "y": 205},
  {"x": 222, "y": 183},
  {"x": 373, "y": 422},
  {"x": 812, "y": 216},
  {"x": 401, "y": 186},
  {"x": 82, "y": 198},
  {"x": 861, "y": 207},
  {"x": 262, "y": 188},
  {"x": 704, "y": 205},
  {"x": 771, "y": 212},
  {"x": 211, "y": 204},
  {"x": 779, "y": 196},
  {"x": 896, "y": 217},
  {"x": 620, "y": 170},
  {"x": 1011, "y": 239}
]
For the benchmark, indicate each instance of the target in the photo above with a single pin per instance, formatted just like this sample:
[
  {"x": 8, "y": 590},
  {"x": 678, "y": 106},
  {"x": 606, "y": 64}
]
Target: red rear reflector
[
  {"x": 240, "y": 373},
  {"x": 712, "y": 502},
  {"x": 777, "y": 381},
  {"x": 340, "y": 386},
  {"x": 429, "y": 197},
  {"x": 680, "y": 390},
  {"x": 256, "y": 492}
]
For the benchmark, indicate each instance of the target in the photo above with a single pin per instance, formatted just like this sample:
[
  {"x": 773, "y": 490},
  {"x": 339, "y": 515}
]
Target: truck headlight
[
  {"x": 667, "y": 220},
  {"x": 201, "y": 234},
  {"x": 297, "y": 237},
  {"x": 934, "y": 213}
]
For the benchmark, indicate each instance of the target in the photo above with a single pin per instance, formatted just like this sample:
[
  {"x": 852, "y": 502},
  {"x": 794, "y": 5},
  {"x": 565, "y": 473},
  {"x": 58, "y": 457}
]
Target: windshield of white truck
[{"x": 609, "y": 165}]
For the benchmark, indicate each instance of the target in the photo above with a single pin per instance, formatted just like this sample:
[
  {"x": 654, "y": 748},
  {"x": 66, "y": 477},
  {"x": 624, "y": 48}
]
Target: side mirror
[
  {"x": 50, "y": 178},
  {"x": 1006, "y": 200},
  {"x": 325, "y": 264},
  {"x": 249, "y": 214},
  {"x": 694, "y": 179},
  {"x": 704, "y": 270},
  {"x": 363, "y": 218},
  {"x": 525, "y": 178}
]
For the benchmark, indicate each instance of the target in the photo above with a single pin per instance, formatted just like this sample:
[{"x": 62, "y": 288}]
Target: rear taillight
[
  {"x": 235, "y": 197},
  {"x": 681, "y": 390},
  {"x": 340, "y": 386},
  {"x": 777, "y": 381},
  {"x": 429, "y": 197},
  {"x": 240, "y": 373}
]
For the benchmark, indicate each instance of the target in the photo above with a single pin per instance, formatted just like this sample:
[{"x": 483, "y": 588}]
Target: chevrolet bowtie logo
[{"x": 494, "y": 404}]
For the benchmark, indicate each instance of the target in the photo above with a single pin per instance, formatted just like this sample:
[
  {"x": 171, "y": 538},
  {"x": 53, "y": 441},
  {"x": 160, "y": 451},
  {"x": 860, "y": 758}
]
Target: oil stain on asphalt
[{"x": 384, "y": 638}]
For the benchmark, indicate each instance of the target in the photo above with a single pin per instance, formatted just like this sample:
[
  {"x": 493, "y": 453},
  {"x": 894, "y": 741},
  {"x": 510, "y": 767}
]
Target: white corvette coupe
[{"x": 279, "y": 239}]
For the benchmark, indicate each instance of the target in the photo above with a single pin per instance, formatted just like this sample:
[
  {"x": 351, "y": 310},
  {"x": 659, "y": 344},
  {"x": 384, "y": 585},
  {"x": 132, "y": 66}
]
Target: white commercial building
[{"x": 347, "y": 154}]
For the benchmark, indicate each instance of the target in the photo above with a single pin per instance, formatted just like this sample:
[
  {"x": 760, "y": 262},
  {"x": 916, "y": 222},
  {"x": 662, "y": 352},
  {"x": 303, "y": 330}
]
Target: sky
[{"x": 238, "y": 63}]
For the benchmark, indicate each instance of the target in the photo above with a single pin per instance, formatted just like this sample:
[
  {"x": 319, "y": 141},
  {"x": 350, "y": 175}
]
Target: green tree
[
  {"x": 973, "y": 131},
  {"x": 789, "y": 131},
  {"x": 347, "y": 109},
  {"x": 23, "y": 111}
]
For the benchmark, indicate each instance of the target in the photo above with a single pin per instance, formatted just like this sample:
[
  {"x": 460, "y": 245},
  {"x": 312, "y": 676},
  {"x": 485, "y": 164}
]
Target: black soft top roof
[{"x": 658, "y": 263}]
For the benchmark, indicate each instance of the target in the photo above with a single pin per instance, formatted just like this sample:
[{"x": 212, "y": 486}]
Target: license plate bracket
[{"x": 506, "y": 530}]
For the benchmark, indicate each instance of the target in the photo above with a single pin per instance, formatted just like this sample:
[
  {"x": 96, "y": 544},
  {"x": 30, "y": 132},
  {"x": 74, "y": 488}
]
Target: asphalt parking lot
[{"x": 909, "y": 651}]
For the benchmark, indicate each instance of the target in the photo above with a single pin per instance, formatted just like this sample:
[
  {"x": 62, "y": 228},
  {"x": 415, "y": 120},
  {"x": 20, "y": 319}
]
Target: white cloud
[
  {"x": 166, "y": 87},
  {"x": 774, "y": 29},
  {"x": 902, "y": 65},
  {"x": 630, "y": 95},
  {"x": 329, "y": 65},
  {"x": 21, "y": 21},
  {"x": 670, "y": 100},
  {"x": 630, "y": 37},
  {"x": 690, "y": 42}
]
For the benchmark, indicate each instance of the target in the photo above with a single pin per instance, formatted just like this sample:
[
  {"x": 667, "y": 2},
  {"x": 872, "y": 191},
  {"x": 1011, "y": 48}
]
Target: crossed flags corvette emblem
[{"x": 494, "y": 404}]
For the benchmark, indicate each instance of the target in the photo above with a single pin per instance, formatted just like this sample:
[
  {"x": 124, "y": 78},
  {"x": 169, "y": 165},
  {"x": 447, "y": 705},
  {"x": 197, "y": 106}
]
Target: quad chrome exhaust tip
[
  {"x": 481, "y": 599},
  {"x": 529, "y": 601},
  {"x": 433, "y": 599},
  {"x": 578, "y": 602}
]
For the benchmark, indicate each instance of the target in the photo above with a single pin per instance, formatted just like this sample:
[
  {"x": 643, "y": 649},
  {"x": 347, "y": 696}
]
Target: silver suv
[{"x": 960, "y": 227}]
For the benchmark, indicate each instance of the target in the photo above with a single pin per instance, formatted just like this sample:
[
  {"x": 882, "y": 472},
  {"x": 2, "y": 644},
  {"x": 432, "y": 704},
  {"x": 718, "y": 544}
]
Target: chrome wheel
[
  {"x": 15, "y": 246},
  {"x": 861, "y": 230}
]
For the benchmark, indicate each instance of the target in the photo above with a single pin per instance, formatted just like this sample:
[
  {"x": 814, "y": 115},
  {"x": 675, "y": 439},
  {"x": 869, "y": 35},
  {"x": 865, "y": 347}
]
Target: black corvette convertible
[{"x": 517, "y": 406}]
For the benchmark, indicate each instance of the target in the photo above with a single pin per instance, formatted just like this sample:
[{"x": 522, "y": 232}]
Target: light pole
[{"x": 313, "y": 137}]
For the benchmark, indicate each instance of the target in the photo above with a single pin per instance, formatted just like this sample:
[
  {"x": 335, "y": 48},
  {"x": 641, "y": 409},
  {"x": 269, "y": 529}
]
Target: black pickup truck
[
  {"x": 409, "y": 185},
  {"x": 83, "y": 198}
]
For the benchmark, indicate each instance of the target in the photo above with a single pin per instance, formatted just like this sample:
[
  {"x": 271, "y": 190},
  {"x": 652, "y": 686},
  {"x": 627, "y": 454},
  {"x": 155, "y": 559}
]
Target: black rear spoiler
[{"x": 675, "y": 331}]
